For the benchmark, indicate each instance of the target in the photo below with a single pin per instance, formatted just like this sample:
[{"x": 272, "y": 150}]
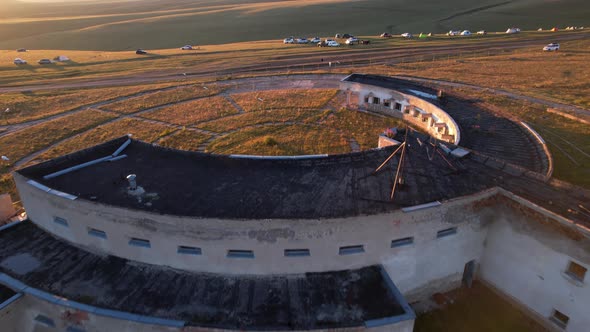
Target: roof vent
[{"x": 132, "y": 183}]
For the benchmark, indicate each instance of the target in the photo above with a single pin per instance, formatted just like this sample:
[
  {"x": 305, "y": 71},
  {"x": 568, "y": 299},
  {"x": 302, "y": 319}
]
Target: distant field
[{"x": 163, "y": 24}]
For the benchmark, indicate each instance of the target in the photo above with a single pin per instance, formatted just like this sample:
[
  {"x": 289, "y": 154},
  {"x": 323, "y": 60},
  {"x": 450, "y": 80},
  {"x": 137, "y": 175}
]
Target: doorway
[{"x": 469, "y": 273}]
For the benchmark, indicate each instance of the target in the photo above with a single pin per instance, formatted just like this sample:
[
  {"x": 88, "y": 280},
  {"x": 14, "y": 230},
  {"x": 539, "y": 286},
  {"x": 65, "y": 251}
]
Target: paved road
[{"x": 313, "y": 60}]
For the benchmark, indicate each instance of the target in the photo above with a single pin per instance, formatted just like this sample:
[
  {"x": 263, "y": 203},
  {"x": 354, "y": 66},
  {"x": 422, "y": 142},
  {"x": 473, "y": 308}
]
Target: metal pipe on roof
[
  {"x": 117, "y": 158},
  {"x": 121, "y": 148},
  {"x": 77, "y": 167}
]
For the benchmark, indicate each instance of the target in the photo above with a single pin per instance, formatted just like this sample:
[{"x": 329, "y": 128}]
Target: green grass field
[{"x": 162, "y": 24}]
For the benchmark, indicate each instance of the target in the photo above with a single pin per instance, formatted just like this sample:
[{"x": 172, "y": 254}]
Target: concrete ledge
[
  {"x": 10, "y": 300},
  {"x": 547, "y": 213},
  {"x": 24, "y": 289},
  {"x": 550, "y": 166},
  {"x": 409, "y": 313}
]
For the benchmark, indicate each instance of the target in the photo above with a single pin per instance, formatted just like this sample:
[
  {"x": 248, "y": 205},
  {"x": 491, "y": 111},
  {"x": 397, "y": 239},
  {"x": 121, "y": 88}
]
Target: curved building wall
[
  {"x": 410, "y": 108},
  {"x": 24, "y": 314},
  {"x": 330, "y": 242}
]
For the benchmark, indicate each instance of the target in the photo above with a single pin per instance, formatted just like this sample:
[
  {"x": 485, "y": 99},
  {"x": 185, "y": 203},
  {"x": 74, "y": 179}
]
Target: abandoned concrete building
[{"x": 130, "y": 236}]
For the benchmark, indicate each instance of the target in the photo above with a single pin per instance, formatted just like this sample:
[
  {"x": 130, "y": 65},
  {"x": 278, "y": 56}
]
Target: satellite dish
[{"x": 7, "y": 110}]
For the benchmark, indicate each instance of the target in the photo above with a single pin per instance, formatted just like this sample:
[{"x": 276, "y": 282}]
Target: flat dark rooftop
[
  {"x": 304, "y": 301},
  {"x": 204, "y": 185},
  {"x": 481, "y": 129},
  {"x": 5, "y": 293}
]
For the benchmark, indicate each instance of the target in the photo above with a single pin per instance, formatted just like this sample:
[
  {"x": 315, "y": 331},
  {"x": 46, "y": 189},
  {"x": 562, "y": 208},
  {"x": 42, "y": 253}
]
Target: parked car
[
  {"x": 45, "y": 62},
  {"x": 482, "y": 32},
  {"x": 365, "y": 42},
  {"x": 352, "y": 41},
  {"x": 347, "y": 35},
  {"x": 551, "y": 47},
  {"x": 386, "y": 35},
  {"x": 338, "y": 36},
  {"x": 289, "y": 40},
  {"x": 315, "y": 40},
  {"x": 302, "y": 41},
  {"x": 326, "y": 42},
  {"x": 332, "y": 43},
  {"x": 513, "y": 30},
  {"x": 453, "y": 33},
  {"x": 21, "y": 50},
  {"x": 140, "y": 51},
  {"x": 465, "y": 33},
  {"x": 186, "y": 47},
  {"x": 19, "y": 61},
  {"x": 407, "y": 35}
]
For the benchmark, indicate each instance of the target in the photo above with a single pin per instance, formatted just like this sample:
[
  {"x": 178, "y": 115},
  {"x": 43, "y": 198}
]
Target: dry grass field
[
  {"x": 281, "y": 140},
  {"x": 151, "y": 100},
  {"x": 476, "y": 309},
  {"x": 21, "y": 143},
  {"x": 281, "y": 99},
  {"x": 561, "y": 76},
  {"x": 29, "y": 106},
  {"x": 184, "y": 139},
  {"x": 248, "y": 119},
  {"x": 139, "y": 129},
  {"x": 363, "y": 127},
  {"x": 193, "y": 112}
]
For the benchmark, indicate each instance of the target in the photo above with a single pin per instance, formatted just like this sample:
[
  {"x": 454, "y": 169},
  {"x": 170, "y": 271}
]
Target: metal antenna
[
  {"x": 388, "y": 158},
  {"x": 399, "y": 165}
]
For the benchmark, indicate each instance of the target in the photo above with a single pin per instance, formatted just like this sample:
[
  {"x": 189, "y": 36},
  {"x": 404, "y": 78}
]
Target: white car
[
  {"x": 332, "y": 43},
  {"x": 407, "y": 35},
  {"x": 352, "y": 41},
  {"x": 482, "y": 32},
  {"x": 465, "y": 33},
  {"x": 19, "y": 61},
  {"x": 453, "y": 33},
  {"x": 551, "y": 47},
  {"x": 315, "y": 40},
  {"x": 302, "y": 41},
  {"x": 289, "y": 40},
  {"x": 186, "y": 47}
]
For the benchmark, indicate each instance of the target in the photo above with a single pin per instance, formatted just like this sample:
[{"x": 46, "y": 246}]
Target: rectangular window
[
  {"x": 60, "y": 221},
  {"x": 398, "y": 106},
  {"x": 576, "y": 271},
  {"x": 559, "y": 318},
  {"x": 297, "y": 252},
  {"x": 75, "y": 329},
  {"x": 366, "y": 99},
  {"x": 376, "y": 100},
  {"x": 186, "y": 250},
  {"x": 446, "y": 232},
  {"x": 240, "y": 254},
  {"x": 139, "y": 243},
  {"x": 45, "y": 321},
  {"x": 349, "y": 250},
  {"x": 97, "y": 233},
  {"x": 402, "y": 242},
  {"x": 386, "y": 103}
]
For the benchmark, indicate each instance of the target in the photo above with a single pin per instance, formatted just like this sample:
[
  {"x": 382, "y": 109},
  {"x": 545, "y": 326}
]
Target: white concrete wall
[
  {"x": 410, "y": 267},
  {"x": 527, "y": 260},
  {"x": 20, "y": 317}
]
